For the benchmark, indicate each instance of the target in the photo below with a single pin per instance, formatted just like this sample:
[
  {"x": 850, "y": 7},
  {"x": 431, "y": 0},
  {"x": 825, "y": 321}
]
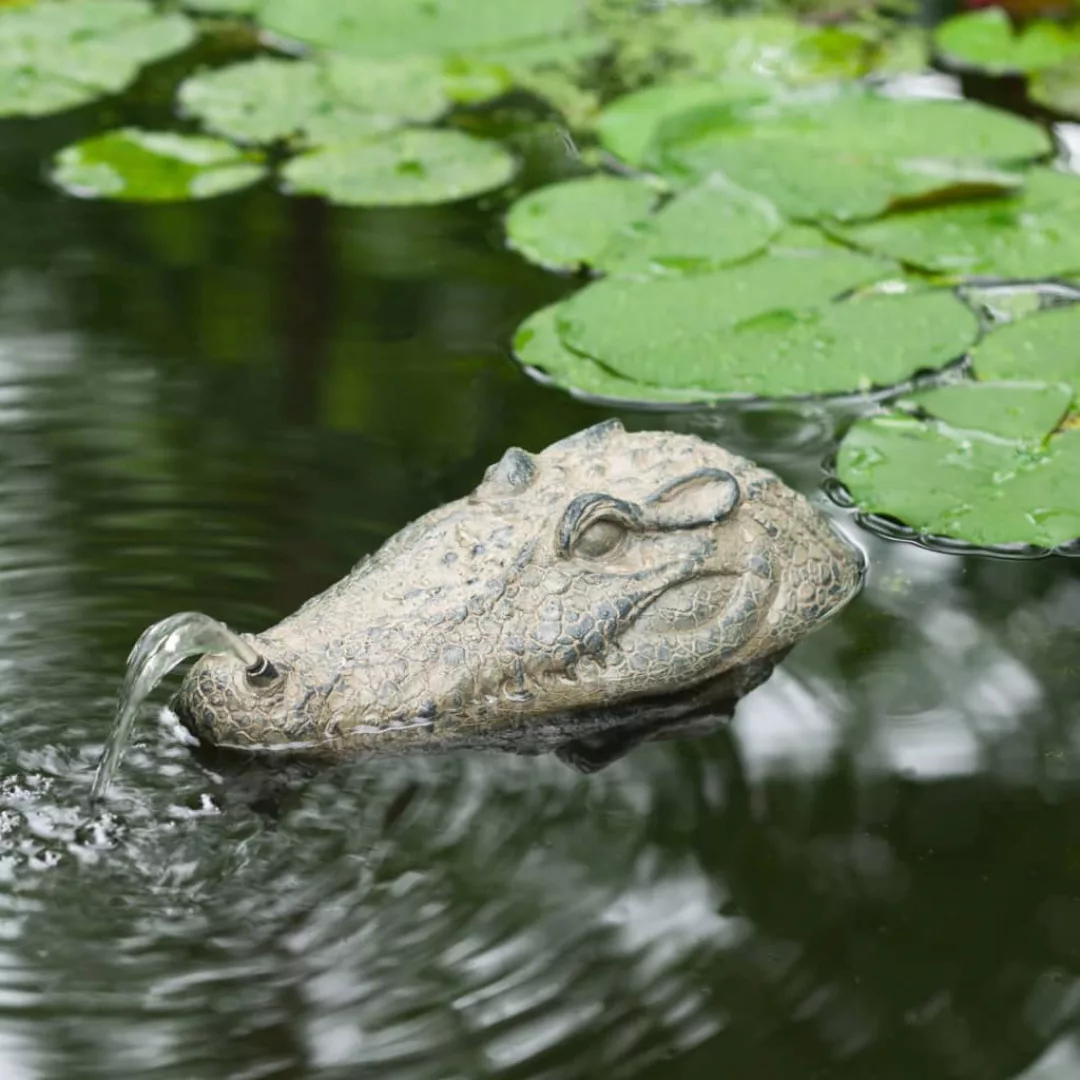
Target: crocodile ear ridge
[
  {"x": 512, "y": 473},
  {"x": 702, "y": 497}
]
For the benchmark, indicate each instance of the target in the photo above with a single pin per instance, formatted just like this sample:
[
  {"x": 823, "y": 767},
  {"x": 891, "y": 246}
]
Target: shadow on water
[{"x": 873, "y": 873}]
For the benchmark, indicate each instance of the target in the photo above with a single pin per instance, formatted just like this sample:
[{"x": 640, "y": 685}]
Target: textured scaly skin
[{"x": 612, "y": 576}]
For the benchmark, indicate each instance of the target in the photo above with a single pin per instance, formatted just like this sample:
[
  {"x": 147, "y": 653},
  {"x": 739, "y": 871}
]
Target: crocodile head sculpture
[{"x": 608, "y": 575}]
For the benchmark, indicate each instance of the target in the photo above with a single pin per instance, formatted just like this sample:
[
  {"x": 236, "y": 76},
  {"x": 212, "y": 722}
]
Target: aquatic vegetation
[
  {"x": 988, "y": 41},
  {"x": 334, "y": 98},
  {"x": 992, "y": 460},
  {"x": 405, "y": 168},
  {"x": 56, "y": 55},
  {"x": 154, "y": 166},
  {"x": 971, "y": 485},
  {"x": 762, "y": 213}
]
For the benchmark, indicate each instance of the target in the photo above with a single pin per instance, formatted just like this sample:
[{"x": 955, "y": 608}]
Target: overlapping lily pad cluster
[
  {"x": 346, "y": 97},
  {"x": 993, "y": 460},
  {"x": 761, "y": 215},
  {"x": 1045, "y": 50},
  {"x": 777, "y": 242}
]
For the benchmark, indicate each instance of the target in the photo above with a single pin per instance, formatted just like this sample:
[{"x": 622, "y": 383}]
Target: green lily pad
[
  {"x": 55, "y": 55},
  {"x": 749, "y": 54},
  {"x": 702, "y": 229},
  {"x": 1058, "y": 88},
  {"x": 830, "y": 349},
  {"x": 404, "y": 168},
  {"x": 987, "y": 41},
  {"x": 555, "y": 69},
  {"x": 1011, "y": 410},
  {"x": 1044, "y": 347},
  {"x": 569, "y": 224},
  {"x": 628, "y": 125},
  {"x": 864, "y": 121},
  {"x": 537, "y": 345},
  {"x": 333, "y": 99},
  {"x": 844, "y": 183},
  {"x": 678, "y": 323},
  {"x": 153, "y": 166},
  {"x": 1033, "y": 234},
  {"x": 943, "y": 481},
  {"x": 390, "y": 29},
  {"x": 851, "y": 157}
]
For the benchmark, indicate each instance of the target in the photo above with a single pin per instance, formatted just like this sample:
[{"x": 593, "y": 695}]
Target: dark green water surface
[{"x": 873, "y": 875}]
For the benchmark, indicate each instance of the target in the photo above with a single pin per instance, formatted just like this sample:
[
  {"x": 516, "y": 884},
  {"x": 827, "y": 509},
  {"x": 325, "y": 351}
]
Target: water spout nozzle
[{"x": 261, "y": 671}]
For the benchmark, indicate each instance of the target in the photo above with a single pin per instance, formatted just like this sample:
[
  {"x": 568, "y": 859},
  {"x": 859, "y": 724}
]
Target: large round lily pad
[
  {"x": 852, "y": 156},
  {"x": 537, "y": 345},
  {"x": 833, "y": 348},
  {"x": 569, "y": 224},
  {"x": 1044, "y": 347},
  {"x": 55, "y": 55},
  {"x": 335, "y": 98},
  {"x": 1033, "y": 234},
  {"x": 396, "y": 28},
  {"x": 968, "y": 486},
  {"x": 153, "y": 166},
  {"x": 403, "y": 168},
  {"x": 633, "y": 326}
]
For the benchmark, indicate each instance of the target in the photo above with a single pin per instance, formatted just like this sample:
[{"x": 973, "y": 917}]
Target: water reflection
[{"x": 872, "y": 874}]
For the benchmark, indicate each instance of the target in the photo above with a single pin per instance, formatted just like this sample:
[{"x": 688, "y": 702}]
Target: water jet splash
[{"x": 159, "y": 649}]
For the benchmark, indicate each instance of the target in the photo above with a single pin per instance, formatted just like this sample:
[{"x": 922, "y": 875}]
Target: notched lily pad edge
[{"x": 892, "y": 528}]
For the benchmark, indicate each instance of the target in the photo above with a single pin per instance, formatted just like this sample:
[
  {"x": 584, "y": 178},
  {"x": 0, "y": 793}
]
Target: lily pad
[
  {"x": 153, "y": 166},
  {"x": 1033, "y": 234},
  {"x": 628, "y": 125},
  {"x": 702, "y": 229},
  {"x": 749, "y": 54},
  {"x": 871, "y": 123},
  {"x": 55, "y": 55},
  {"x": 1011, "y": 410},
  {"x": 569, "y": 224},
  {"x": 943, "y": 481},
  {"x": 404, "y": 168},
  {"x": 830, "y": 349},
  {"x": 845, "y": 183},
  {"x": 1044, "y": 347},
  {"x": 395, "y": 28},
  {"x": 987, "y": 41},
  {"x": 333, "y": 99},
  {"x": 537, "y": 345},
  {"x": 681, "y": 323},
  {"x": 851, "y": 157},
  {"x": 1058, "y": 88}
]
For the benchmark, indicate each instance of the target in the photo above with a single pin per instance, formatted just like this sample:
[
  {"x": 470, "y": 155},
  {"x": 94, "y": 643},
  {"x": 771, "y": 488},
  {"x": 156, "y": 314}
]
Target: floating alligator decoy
[{"x": 616, "y": 581}]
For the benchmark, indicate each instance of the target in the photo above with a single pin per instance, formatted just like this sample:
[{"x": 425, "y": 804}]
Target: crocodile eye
[{"x": 599, "y": 538}]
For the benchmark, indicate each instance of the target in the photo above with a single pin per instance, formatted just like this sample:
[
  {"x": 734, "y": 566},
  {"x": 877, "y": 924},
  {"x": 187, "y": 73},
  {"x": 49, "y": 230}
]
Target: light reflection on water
[{"x": 872, "y": 874}]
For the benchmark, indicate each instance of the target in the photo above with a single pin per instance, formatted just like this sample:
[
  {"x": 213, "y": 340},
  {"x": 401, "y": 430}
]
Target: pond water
[{"x": 874, "y": 873}]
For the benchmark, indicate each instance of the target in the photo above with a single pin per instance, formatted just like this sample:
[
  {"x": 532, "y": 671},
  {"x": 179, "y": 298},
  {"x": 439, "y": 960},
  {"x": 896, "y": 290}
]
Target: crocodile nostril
[{"x": 261, "y": 673}]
